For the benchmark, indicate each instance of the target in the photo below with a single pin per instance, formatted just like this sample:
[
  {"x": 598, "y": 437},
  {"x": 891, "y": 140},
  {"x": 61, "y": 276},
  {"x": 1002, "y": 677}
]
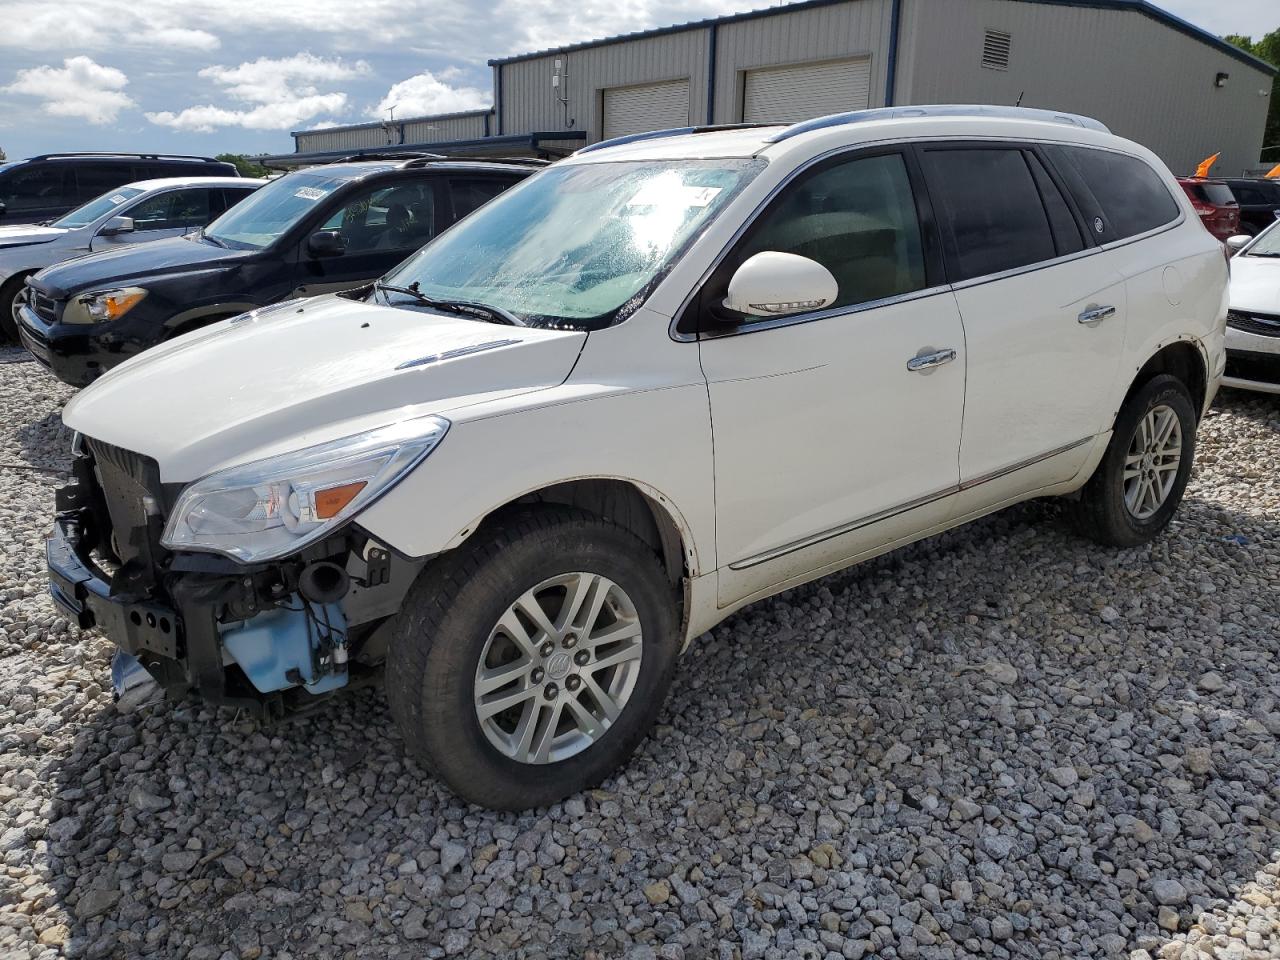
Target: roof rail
[
  {"x": 937, "y": 110},
  {"x": 132, "y": 156},
  {"x": 672, "y": 132},
  {"x": 386, "y": 155}
]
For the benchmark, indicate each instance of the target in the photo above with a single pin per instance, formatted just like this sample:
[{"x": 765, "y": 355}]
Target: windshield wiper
[
  {"x": 479, "y": 310},
  {"x": 201, "y": 235}
]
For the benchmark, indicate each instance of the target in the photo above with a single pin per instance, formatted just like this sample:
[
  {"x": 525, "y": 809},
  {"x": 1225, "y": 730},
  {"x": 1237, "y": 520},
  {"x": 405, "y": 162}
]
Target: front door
[
  {"x": 380, "y": 225},
  {"x": 169, "y": 214},
  {"x": 834, "y": 431}
]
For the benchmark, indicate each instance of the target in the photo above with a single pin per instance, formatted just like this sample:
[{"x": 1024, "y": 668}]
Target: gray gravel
[{"x": 1004, "y": 742}]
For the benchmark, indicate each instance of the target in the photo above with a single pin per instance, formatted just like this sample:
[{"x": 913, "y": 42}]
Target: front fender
[{"x": 657, "y": 440}]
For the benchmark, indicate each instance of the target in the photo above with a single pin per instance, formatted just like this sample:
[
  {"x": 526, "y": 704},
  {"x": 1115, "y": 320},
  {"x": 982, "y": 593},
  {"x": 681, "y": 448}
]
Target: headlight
[
  {"x": 103, "y": 305},
  {"x": 274, "y": 507}
]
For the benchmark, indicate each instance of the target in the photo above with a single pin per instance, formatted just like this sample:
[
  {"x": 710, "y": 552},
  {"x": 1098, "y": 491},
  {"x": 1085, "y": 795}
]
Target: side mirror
[
  {"x": 326, "y": 243},
  {"x": 116, "y": 226},
  {"x": 1238, "y": 242},
  {"x": 774, "y": 284}
]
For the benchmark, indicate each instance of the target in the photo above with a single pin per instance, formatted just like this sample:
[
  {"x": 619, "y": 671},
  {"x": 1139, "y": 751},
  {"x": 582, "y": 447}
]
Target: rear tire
[
  {"x": 467, "y": 626},
  {"x": 1137, "y": 487}
]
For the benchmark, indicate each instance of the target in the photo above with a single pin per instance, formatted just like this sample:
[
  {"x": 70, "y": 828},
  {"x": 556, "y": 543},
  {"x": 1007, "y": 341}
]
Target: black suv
[
  {"x": 41, "y": 188},
  {"x": 1259, "y": 202},
  {"x": 320, "y": 230}
]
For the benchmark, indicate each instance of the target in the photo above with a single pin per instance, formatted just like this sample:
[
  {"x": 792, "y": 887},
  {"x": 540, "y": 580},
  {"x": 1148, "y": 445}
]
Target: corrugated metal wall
[
  {"x": 529, "y": 102},
  {"x": 456, "y": 126},
  {"x": 1143, "y": 79},
  {"x": 859, "y": 28}
]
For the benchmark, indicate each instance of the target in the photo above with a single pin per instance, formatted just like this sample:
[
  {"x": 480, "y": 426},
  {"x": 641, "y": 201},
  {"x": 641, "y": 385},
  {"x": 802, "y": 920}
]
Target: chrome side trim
[
  {"x": 817, "y": 538},
  {"x": 1022, "y": 464}
]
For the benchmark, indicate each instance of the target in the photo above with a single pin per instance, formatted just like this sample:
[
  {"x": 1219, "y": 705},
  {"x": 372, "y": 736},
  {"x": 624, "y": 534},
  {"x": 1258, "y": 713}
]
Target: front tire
[
  {"x": 1137, "y": 487},
  {"x": 529, "y": 664},
  {"x": 8, "y": 303}
]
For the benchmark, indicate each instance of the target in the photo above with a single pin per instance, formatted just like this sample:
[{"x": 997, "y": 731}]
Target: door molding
[{"x": 891, "y": 512}]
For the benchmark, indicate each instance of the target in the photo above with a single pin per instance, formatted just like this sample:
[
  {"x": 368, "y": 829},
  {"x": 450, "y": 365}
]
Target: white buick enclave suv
[{"x": 666, "y": 377}]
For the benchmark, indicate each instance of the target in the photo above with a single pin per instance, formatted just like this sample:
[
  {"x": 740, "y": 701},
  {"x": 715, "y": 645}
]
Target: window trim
[
  {"x": 948, "y": 242},
  {"x": 930, "y": 246},
  {"x": 681, "y": 336}
]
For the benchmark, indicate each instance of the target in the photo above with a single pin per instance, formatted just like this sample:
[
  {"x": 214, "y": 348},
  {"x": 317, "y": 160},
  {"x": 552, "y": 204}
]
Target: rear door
[
  {"x": 471, "y": 193},
  {"x": 380, "y": 224},
  {"x": 1044, "y": 316}
]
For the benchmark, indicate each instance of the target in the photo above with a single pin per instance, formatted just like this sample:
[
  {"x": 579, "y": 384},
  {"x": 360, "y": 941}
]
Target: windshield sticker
[
  {"x": 118, "y": 199},
  {"x": 309, "y": 193},
  {"x": 660, "y": 192}
]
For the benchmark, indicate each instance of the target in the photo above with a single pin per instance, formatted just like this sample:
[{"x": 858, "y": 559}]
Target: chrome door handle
[
  {"x": 928, "y": 361},
  {"x": 1095, "y": 315}
]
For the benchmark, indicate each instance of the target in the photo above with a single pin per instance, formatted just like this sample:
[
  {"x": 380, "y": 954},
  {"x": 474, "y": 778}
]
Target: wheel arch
[
  {"x": 1183, "y": 358},
  {"x": 633, "y": 505},
  {"x": 196, "y": 317}
]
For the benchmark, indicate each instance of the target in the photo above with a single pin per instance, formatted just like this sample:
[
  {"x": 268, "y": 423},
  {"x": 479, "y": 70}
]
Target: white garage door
[
  {"x": 806, "y": 90},
  {"x": 655, "y": 106}
]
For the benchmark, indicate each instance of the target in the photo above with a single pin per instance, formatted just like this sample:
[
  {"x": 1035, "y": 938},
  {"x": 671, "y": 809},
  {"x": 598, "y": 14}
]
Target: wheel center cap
[{"x": 558, "y": 665}]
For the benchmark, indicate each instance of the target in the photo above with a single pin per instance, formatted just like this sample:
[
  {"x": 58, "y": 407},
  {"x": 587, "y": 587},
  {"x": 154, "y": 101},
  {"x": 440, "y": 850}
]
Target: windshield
[
  {"x": 84, "y": 215},
  {"x": 263, "y": 217},
  {"x": 576, "y": 245},
  {"x": 1267, "y": 244}
]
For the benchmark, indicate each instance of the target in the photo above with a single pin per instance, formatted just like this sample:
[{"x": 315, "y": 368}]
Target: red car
[{"x": 1216, "y": 205}]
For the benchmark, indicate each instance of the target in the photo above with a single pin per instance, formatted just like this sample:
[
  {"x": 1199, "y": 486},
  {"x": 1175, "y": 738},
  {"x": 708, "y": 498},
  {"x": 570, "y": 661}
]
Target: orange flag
[
  {"x": 1205, "y": 164},
  {"x": 1273, "y": 173}
]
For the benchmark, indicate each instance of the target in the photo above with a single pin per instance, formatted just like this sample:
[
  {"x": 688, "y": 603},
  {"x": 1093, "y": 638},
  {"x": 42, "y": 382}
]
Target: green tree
[
  {"x": 1268, "y": 49},
  {"x": 248, "y": 166}
]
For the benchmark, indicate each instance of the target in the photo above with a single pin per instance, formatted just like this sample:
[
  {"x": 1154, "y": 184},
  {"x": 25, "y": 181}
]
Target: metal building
[{"x": 1145, "y": 73}]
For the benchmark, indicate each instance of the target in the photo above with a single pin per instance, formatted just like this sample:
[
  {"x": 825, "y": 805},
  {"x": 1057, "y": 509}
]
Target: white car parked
[
  {"x": 1253, "y": 324},
  {"x": 134, "y": 213},
  {"x": 655, "y": 382}
]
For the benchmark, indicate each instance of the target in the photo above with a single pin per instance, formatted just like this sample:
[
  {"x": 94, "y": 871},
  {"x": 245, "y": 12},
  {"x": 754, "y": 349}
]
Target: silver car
[{"x": 135, "y": 213}]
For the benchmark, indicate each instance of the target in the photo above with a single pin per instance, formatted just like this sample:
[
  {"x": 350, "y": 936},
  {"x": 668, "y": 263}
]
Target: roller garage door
[
  {"x": 806, "y": 90},
  {"x": 654, "y": 106}
]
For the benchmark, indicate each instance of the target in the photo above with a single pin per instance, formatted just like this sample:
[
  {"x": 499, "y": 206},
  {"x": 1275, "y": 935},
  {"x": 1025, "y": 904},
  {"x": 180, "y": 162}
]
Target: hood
[
  {"x": 21, "y": 234},
  {"x": 1255, "y": 284},
  {"x": 173, "y": 255},
  {"x": 303, "y": 372}
]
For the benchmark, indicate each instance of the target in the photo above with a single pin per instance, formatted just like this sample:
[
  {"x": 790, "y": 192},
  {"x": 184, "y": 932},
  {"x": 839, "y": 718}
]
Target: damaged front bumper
[{"x": 235, "y": 635}]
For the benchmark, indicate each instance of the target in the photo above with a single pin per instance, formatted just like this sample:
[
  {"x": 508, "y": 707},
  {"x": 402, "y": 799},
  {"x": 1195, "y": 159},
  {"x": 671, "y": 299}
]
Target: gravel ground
[{"x": 1004, "y": 742}]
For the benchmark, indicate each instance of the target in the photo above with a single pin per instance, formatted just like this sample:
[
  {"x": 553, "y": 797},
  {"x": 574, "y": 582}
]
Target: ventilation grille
[{"x": 995, "y": 50}]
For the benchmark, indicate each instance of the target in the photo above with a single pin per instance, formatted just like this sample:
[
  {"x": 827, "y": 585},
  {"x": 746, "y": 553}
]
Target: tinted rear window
[
  {"x": 1132, "y": 196},
  {"x": 989, "y": 209},
  {"x": 1219, "y": 194}
]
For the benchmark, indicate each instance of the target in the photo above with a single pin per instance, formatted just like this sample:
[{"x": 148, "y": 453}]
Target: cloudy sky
[{"x": 207, "y": 76}]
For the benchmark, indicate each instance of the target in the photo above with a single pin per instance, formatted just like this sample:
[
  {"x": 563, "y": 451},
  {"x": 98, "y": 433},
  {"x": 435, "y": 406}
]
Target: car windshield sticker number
[
  {"x": 118, "y": 199},
  {"x": 660, "y": 192},
  {"x": 309, "y": 193}
]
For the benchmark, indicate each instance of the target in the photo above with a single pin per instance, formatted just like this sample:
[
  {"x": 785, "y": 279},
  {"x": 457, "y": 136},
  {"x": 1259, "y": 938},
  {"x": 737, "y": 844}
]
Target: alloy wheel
[
  {"x": 558, "y": 668},
  {"x": 1151, "y": 465}
]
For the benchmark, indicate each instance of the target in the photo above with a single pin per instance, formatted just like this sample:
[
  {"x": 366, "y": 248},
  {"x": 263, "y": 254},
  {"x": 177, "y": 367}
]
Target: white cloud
[
  {"x": 81, "y": 88},
  {"x": 429, "y": 93},
  {"x": 283, "y": 93},
  {"x": 265, "y": 80}
]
